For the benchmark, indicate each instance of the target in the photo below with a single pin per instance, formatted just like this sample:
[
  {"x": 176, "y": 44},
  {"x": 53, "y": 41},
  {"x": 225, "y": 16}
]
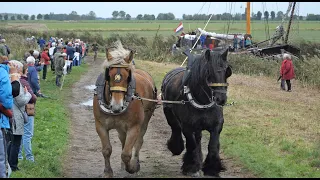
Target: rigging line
[
  {"x": 298, "y": 18},
  {"x": 200, "y": 11},
  {"x": 197, "y": 39},
  {"x": 230, "y": 16},
  {"x": 224, "y": 26},
  {"x": 208, "y": 11},
  {"x": 267, "y": 21}
]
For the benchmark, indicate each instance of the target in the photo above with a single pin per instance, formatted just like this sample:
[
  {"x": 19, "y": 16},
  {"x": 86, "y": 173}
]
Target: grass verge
[
  {"x": 51, "y": 128},
  {"x": 270, "y": 133}
]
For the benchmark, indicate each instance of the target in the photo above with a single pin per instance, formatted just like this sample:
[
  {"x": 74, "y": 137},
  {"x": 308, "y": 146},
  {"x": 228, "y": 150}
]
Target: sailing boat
[{"x": 270, "y": 49}]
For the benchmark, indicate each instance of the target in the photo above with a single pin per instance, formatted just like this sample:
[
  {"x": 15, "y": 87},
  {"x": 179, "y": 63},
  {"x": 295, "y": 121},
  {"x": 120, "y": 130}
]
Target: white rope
[{"x": 197, "y": 39}]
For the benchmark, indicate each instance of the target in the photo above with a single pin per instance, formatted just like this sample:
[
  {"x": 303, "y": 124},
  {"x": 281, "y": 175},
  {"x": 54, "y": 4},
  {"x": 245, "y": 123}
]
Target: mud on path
[{"x": 84, "y": 158}]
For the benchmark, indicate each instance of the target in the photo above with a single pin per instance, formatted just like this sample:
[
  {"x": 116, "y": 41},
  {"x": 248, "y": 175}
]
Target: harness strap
[
  {"x": 218, "y": 84},
  {"x": 118, "y": 88}
]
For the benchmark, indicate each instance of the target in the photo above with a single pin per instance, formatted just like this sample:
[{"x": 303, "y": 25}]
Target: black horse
[{"x": 203, "y": 87}]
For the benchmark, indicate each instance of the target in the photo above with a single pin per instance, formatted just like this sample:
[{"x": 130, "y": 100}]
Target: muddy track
[{"x": 84, "y": 158}]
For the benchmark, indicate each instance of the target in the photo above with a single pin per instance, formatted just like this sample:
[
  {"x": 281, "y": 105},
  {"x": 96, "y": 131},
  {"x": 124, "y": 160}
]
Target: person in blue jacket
[{"x": 8, "y": 90}]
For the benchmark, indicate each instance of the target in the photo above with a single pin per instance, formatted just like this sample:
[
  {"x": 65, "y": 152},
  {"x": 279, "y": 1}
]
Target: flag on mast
[{"x": 179, "y": 28}]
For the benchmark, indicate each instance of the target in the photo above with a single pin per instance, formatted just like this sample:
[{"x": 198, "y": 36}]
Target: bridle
[
  {"x": 118, "y": 78},
  {"x": 129, "y": 90},
  {"x": 212, "y": 99}
]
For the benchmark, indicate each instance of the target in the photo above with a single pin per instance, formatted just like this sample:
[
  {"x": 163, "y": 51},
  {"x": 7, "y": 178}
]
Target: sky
[{"x": 105, "y": 9}]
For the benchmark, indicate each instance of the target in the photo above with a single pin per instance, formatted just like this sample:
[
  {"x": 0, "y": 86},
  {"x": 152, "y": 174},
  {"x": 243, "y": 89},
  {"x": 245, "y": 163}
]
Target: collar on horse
[{"x": 100, "y": 91}]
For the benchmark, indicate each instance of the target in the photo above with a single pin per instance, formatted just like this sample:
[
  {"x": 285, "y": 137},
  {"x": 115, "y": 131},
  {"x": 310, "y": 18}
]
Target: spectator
[
  {"x": 70, "y": 55},
  {"x": 248, "y": 42},
  {"x": 3, "y": 48},
  {"x": 45, "y": 59},
  {"x": 59, "y": 64},
  {"x": 51, "y": 53},
  {"x": 37, "y": 57},
  {"x": 235, "y": 43},
  {"x": 42, "y": 43},
  {"x": 6, "y": 100},
  {"x": 19, "y": 103},
  {"x": 87, "y": 48},
  {"x": 77, "y": 58},
  {"x": 29, "y": 126},
  {"x": 95, "y": 49},
  {"x": 33, "y": 77},
  {"x": 286, "y": 72},
  {"x": 6, "y": 46}
]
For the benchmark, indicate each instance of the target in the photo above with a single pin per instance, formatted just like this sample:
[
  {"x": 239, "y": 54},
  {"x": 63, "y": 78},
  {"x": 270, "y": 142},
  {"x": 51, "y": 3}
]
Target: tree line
[
  {"x": 161, "y": 16},
  {"x": 238, "y": 16},
  {"x": 122, "y": 15},
  {"x": 60, "y": 17}
]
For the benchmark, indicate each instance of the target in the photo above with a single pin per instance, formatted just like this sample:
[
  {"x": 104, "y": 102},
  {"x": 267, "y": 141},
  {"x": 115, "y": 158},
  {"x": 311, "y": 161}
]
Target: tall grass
[{"x": 307, "y": 70}]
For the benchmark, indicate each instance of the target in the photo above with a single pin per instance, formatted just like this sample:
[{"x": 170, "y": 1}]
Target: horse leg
[
  {"x": 122, "y": 137},
  {"x": 198, "y": 136},
  {"x": 106, "y": 148},
  {"x": 175, "y": 144},
  {"x": 212, "y": 165},
  {"x": 137, "y": 147},
  {"x": 191, "y": 159},
  {"x": 131, "y": 138}
]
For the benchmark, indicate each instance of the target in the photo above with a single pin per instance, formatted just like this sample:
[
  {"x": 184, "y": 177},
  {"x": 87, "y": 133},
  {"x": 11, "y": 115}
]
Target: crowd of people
[{"x": 20, "y": 89}]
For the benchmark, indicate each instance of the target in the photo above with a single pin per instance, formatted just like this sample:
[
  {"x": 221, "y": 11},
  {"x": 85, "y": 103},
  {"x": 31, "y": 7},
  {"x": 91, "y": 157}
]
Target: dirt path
[{"x": 85, "y": 160}]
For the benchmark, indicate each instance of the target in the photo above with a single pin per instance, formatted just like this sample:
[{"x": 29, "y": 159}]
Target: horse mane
[
  {"x": 118, "y": 53},
  {"x": 202, "y": 69}
]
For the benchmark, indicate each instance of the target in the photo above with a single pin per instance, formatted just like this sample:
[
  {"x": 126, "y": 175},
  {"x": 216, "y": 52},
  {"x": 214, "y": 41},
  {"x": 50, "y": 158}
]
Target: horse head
[
  {"x": 211, "y": 71},
  {"x": 118, "y": 74}
]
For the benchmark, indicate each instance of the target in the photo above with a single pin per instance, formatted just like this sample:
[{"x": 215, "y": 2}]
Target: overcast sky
[{"x": 105, "y": 9}]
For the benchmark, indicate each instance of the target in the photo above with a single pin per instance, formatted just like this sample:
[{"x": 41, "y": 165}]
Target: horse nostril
[{"x": 122, "y": 107}]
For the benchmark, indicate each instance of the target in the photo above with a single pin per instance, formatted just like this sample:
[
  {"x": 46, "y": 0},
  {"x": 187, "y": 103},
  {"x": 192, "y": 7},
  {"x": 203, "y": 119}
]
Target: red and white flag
[{"x": 179, "y": 28}]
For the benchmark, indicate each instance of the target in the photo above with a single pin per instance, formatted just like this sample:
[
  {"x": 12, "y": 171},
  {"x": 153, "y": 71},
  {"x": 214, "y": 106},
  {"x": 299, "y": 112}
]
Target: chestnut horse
[{"x": 114, "y": 107}]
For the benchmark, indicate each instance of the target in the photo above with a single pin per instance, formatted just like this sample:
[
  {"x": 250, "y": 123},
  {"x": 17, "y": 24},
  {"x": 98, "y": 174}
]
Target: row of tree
[
  {"x": 72, "y": 16},
  {"x": 161, "y": 16},
  {"x": 239, "y": 16}
]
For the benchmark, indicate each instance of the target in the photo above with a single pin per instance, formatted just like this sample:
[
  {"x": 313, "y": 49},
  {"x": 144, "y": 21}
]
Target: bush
[{"x": 307, "y": 71}]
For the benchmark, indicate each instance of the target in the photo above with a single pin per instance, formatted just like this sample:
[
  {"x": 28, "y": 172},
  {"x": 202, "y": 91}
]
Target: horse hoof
[
  {"x": 108, "y": 176},
  {"x": 195, "y": 175}
]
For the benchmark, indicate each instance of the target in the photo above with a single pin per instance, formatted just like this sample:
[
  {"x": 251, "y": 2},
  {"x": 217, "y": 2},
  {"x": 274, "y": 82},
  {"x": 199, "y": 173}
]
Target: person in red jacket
[
  {"x": 286, "y": 72},
  {"x": 46, "y": 60}
]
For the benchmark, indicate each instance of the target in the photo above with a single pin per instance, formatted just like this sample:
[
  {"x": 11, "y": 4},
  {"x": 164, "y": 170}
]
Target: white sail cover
[{"x": 221, "y": 36}]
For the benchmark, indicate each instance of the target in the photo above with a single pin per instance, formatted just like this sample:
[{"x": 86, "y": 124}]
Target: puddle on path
[
  {"x": 88, "y": 103},
  {"x": 90, "y": 87}
]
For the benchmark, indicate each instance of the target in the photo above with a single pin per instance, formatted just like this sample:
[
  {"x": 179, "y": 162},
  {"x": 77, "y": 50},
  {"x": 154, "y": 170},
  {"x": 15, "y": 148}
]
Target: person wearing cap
[{"x": 59, "y": 64}]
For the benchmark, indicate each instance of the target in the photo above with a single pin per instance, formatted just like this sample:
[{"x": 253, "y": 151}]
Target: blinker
[{"x": 117, "y": 78}]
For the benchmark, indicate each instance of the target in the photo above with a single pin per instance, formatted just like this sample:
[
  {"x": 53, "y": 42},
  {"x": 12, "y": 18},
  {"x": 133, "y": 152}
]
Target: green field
[{"x": 300, "y": 29}]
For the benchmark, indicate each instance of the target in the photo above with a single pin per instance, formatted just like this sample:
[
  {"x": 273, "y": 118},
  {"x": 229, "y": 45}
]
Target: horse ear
[
  {"x": 108, "y": 55},
  {"x": 224, "y": 53},
  {"x": 129, "y": 58},
  {"x": 207, "y": 54},
  {"x": 228, "y": 71}
]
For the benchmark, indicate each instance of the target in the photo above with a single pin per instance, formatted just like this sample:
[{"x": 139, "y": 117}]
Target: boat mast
[
  {"x": 290, "y": 21},
  {"x": 248, "y": 18}
]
